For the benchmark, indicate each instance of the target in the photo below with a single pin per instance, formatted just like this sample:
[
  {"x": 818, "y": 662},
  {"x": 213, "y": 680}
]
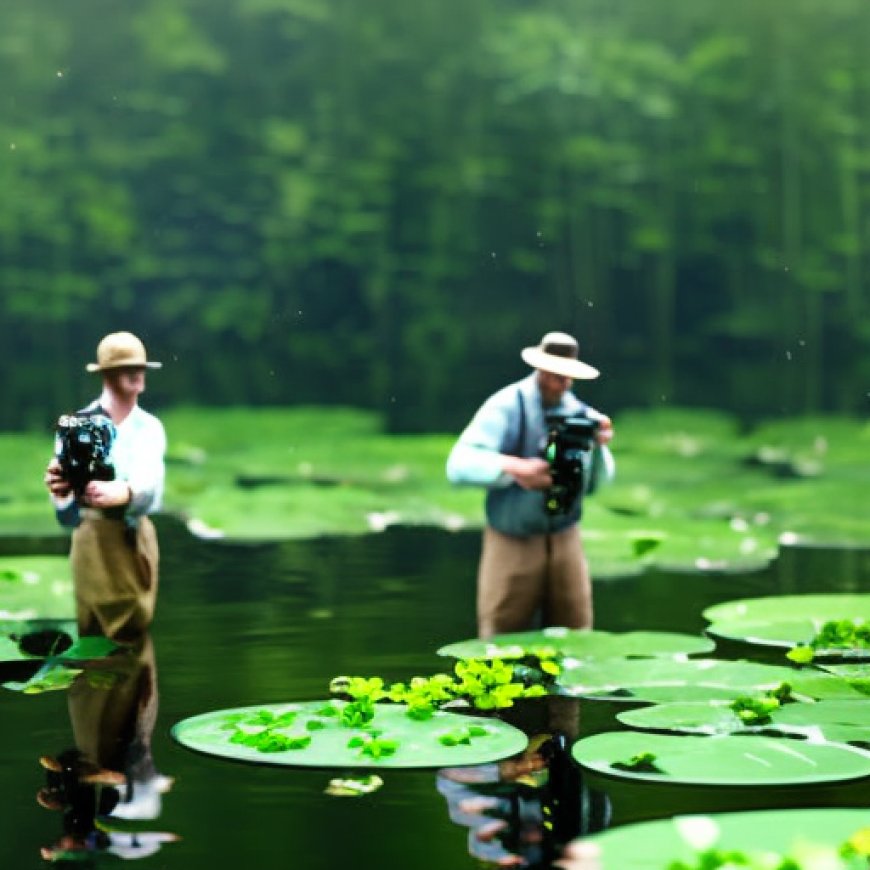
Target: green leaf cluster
[
  {"x": 756, "y": 709},
  {"x": 264, "y": 730},
  {"x": 372, "y": 745},
  {"x": 835, "y": 634}
]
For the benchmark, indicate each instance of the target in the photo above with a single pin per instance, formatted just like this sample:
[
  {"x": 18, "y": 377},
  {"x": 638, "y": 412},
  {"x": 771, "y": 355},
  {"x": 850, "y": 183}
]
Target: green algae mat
[
  {"x": 655, "y": 845},
  {"x": 581, "y": 644},
  {"x": 748, "y": 761},
  {"x": 333, "y": 734}
]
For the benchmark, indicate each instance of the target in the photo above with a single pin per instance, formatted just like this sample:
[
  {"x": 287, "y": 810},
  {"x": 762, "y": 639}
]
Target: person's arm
[
  {"x": 66, "y": 508},
  {"x": 602, "y": 465},
  {"x": 140, "y": 480},
  {"x": 477, "y": 458}
]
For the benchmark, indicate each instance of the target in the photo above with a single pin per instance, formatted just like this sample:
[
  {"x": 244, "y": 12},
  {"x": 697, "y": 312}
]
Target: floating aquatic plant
[
  {"x": 757, "y": 709},
  {"x": 835, "y": 634},
  {"x": 486, "y": 684}
]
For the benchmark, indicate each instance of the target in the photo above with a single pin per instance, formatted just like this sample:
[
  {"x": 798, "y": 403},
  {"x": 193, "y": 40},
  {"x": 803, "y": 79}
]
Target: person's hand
[
  {"x": 108, "y": 493},
  {"x": 530, "y": 472},
  {"x": 580, "y": 856},
  {"x": 57, "y": 485},
  {"x": 604, "y": 435}
]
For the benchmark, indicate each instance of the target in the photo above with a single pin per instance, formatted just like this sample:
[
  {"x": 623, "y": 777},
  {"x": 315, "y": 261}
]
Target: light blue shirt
[{"x": 513, "y": 421}]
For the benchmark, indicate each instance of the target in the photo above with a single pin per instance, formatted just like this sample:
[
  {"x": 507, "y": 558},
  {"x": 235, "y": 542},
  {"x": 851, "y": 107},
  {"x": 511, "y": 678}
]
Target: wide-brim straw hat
[
  {"x": 557, "y": 353},
  {"x": 121, "y": 350}
]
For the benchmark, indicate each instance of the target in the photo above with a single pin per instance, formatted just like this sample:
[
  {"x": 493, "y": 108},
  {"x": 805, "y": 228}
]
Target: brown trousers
[
  {"x": 115, "y": 582},
  {"x": 519, "y": 576}
]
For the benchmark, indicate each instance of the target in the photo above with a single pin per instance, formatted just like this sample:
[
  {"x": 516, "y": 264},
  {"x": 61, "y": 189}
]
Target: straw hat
[
  {"x": 118, "y": 350},
  {"x": 557, "y": 353}
]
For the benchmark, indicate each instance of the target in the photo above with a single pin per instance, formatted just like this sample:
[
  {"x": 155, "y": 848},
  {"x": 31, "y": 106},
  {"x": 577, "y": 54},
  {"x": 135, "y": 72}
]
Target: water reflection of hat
[{"x": 557, "y": 353}]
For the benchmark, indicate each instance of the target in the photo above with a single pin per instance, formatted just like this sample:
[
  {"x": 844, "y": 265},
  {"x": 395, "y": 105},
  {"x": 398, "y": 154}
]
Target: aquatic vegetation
[
  {"x": 281, "y": 734},
  {"x": 353, "y": 786},
  {"x": 546, "y": 650},
  {"x": 840, "y": 634},
  {"x": 691, "y": 489},
  {"x": 757, "y": 710},
  {"x": 747, "y": 760},
  {"x": 486, "y": 684},
  {"x": 686, "y": 840}
]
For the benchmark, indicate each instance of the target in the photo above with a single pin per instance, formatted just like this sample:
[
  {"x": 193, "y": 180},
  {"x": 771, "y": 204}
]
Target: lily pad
[
  {"x": 833, "y": 721},
  {"x": 788, "y": 607},
  {"x": 581, "y": 644},
  {"x": 23, "y": 640},
  {"x": 59, "y": 671},
  {"x": 310, "y": 734},
  {"x": 783, "y": 633},
  {"x": 656, "y": 844},
  {"x": 660, "y": 680},
  {"x": 34, "y": 587},
  {"x": 721, "y": 760},
  {"x": 856, "y": 673}
]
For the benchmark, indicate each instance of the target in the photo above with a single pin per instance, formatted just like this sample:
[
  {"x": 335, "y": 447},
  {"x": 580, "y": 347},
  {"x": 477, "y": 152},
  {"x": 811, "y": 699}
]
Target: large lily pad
[
  {"x": 833, "y": 721},
  {"x": 787, "y": 607},
  {"x": 310, "y": 734},
  {"x": 720, "y": 760},
  {"x": 581, "y": 644},
  {"x": 657, "y": 844},
  {"x": 660, "y": 680}
]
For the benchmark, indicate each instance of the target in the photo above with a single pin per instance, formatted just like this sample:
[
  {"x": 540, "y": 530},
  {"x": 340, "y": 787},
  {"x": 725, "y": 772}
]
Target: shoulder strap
[{"x": 521, "y": 437}]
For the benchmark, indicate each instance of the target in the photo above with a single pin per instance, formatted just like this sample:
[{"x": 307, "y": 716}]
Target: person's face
[
  {"x": 127, "y": 381},
  {"x": 552, "y": 386}
]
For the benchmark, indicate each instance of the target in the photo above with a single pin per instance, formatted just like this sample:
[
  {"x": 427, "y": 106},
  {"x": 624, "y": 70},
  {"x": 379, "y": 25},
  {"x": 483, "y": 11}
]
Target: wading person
[
  {"x": 532, "y": 559},
  {"x": 114, "y": 553}
]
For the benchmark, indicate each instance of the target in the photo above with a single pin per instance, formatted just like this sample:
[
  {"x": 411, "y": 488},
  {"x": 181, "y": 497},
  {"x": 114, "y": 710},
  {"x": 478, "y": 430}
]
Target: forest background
[{"x": 378, "y": 204}]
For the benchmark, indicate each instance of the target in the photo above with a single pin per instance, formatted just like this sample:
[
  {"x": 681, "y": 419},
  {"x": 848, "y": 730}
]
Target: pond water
[{"x": 245, "y": 625}]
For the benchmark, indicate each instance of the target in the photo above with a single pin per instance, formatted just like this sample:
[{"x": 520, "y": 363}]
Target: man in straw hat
[
  {"x": 532, "y": 560},
  {"x": 114, "y": 553}
]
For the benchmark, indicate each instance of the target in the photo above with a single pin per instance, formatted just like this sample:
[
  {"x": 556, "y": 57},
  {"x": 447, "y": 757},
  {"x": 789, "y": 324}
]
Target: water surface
[{"x": 243, "y": 625}]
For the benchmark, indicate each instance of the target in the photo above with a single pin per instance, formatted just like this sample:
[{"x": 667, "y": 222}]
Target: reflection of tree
[{"x": 109, "y": 773}]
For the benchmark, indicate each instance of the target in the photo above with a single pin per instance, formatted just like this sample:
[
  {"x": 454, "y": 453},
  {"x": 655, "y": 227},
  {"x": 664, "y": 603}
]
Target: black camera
[
  {"x": 568, "y": 439},
  {"x": 81, "y": 446}
]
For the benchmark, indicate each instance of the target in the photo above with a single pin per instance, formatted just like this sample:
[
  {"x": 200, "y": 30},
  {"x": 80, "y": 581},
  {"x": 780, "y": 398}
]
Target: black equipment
[
  {"x": 568, "y": 438},
  {"x": 82, "y": 444}
]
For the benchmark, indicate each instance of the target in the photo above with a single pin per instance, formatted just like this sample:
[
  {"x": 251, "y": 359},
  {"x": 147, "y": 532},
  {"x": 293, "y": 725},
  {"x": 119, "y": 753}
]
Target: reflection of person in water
[
  {"x": 522, "y": 811},
  {"x": 110, "y": 772}
]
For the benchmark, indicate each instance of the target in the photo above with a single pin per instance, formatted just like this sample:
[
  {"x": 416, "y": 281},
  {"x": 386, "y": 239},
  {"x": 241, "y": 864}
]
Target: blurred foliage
[
  {"x": 691, "y": 490},
  {"x": 378, "y": 204}
]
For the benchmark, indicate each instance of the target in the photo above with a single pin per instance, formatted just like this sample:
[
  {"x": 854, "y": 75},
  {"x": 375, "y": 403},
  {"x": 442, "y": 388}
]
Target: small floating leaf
[{"x": 353, "y": 786}]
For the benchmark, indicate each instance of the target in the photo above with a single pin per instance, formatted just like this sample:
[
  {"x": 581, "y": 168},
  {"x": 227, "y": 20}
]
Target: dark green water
[{"x": 243, "y": 625}]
